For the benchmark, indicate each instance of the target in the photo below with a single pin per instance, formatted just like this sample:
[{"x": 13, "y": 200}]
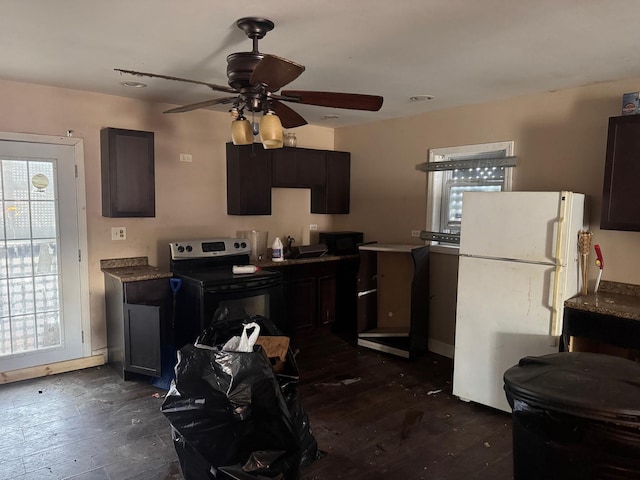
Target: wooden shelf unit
[{"x": 393, "y": 298}]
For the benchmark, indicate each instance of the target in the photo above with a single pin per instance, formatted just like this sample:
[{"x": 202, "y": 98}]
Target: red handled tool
[{"x": 600, "y": 265}]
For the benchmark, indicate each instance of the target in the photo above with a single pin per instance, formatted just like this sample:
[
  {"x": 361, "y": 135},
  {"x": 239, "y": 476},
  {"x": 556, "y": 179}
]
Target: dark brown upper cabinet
[
  {"x": 252, "y": 171},
  {"x": 620, "y": 192},
  {"x": 298, "y": 167},
  {"x": 128, "y": 181},
  {"x": 333, "y": 195},
  {"x": 248, "y": 180}
]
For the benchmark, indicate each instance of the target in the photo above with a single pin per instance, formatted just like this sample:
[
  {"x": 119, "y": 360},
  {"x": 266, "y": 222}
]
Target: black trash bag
[{"x": 229, "y": 409}]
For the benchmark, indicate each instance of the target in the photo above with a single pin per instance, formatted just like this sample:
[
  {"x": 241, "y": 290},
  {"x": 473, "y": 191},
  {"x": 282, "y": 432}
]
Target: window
[{"x": 455, "y": 170}]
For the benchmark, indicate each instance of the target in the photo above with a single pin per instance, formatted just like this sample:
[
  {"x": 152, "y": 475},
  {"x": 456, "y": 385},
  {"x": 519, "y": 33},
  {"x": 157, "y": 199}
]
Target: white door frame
[{"x": 78, "y": 146}]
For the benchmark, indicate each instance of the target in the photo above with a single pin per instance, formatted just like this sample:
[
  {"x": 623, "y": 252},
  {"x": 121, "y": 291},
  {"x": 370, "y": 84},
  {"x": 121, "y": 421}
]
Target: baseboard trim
[
  {"x": 51, "y": 369},
  {"x": 441, "y": 348}
]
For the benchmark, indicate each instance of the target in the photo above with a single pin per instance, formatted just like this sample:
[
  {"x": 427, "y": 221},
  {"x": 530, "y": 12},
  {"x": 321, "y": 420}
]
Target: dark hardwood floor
[{"x": 375, "y": 416}]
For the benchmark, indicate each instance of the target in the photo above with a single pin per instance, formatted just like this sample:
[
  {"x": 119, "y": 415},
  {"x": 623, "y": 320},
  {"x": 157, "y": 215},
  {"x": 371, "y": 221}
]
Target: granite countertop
[
  {"x": 132, "y": 269},
  {"x": 613, "y": 298},
  {"x": 299, "y": 261}
]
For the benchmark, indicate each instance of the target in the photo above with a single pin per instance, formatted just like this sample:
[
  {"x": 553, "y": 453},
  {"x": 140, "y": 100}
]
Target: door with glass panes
[{"x": 40, "y": 287}]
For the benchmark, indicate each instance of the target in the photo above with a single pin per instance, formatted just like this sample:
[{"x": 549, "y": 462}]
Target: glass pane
[
  {"x": 46, "y": 293},
  {"x": 41, "y": 179},
  {"x": 45, "y": 257},
  {"x": 30, "y": 316},
  {"x": 43, "y": 216},
  {"x": 18, "y": 222},
  {"x": 19, "y": 259},
  {"x": 23, "y": 333},
  {"x": 48, "y": 329},
  {"x": 4, "y": 299},
  {"x": 2, "y": 220},
  {"x": 458, "y": 181},
  {"x": 21, "y": 296},
  {"x": 3, "y": 260},
  {"x": 15, "y": 180},
  {"x": 5, "y": 335}
]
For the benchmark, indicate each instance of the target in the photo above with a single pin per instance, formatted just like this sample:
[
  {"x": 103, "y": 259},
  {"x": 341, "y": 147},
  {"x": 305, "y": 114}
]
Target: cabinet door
[
  {"x": 311, "y": 167},
  {"x": 142, "y": 339},
  {"x": 620, "y": 193},
  {"x": 334, "y": 195},
  {"x": 326, "y": 300},
  {"x": 248, "y": 180},
  {"x": 298, "y": 167},
  {"x": 301, "y": 301},
  {"x": 128, "y": 181},
  {"x": 284, "y": 168}
]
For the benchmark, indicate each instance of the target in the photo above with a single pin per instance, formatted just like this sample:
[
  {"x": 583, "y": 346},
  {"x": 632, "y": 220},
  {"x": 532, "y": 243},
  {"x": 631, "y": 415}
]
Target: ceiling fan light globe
[
  {"x": 241, "y": 132},
  {"x": 271, "y": 131}
]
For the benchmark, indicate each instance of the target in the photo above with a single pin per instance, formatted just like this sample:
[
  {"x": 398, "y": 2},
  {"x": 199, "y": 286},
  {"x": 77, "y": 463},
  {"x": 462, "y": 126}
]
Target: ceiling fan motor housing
[{"x": 240, "y": 67}]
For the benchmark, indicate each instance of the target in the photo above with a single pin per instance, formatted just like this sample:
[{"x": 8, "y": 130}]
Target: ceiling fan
[{"x": 255, "y": 77}]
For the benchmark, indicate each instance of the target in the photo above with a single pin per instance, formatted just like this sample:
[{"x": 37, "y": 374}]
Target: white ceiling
[{"x": 460, "y": 51}]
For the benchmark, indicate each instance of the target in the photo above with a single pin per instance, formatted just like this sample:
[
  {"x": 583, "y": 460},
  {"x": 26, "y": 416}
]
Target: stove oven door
[{"x": 197, "y": 305}]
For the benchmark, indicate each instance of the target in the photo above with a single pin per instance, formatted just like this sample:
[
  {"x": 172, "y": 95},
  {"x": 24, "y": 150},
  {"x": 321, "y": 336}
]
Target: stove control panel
[{"x": 215, "y": 247}]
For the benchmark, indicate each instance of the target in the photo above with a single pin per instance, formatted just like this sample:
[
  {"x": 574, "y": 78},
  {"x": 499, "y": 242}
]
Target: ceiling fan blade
[
  {"x": 275, "y": 72},
  {"x": 288, "y": 117},
  {"x": 212, "y": 86},
  {"x": 206, "y": 103},
  {"x": 352, "y": 101}
]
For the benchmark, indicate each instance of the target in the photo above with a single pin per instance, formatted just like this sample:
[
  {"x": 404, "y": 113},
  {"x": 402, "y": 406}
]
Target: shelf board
[
  {"x": 386, "y": 347},
  {"x": 385, "y": 332}
]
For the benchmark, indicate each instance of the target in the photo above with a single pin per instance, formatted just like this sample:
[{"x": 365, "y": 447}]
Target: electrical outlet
[
  {"x": 415, "y": 233},
  {"x": 313, "y": 227},
  {"x": 118, "y": 233},
  {"x": 186, "y": 157}
]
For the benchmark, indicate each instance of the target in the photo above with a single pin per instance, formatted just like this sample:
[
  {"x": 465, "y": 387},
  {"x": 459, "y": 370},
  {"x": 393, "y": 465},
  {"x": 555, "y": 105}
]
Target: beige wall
[
  {"x": 190, "y": 197},
  {"x": 560, "y": 139}
]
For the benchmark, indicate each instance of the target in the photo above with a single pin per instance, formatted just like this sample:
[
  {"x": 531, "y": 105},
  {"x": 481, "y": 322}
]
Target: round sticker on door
[{"x": 40, "y": 181}]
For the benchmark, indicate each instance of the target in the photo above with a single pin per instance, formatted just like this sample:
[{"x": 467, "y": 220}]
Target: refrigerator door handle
[
  {"x": 562, "y": 249},
  {"x": 556, "y": 307}
]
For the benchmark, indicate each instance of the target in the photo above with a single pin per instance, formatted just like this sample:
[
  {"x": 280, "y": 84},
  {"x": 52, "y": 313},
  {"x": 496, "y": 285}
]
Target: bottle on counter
[{"x": 276, "y": 250}]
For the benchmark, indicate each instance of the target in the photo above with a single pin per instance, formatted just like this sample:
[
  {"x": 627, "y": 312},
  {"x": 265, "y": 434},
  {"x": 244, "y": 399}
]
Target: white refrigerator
[{"x": 519, "y": 261}]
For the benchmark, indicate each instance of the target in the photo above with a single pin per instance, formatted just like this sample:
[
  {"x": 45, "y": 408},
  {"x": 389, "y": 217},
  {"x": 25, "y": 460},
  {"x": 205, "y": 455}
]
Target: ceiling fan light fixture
[
  {"x": 241, "y": 132},
  {"x": 271, "y": 131}
]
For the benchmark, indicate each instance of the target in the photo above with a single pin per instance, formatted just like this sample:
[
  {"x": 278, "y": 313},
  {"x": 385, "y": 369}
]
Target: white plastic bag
[{"x": 245, "y": 342}]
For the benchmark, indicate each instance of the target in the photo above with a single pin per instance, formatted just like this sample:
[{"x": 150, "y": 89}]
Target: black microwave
[{"x": 341, "y": 243}]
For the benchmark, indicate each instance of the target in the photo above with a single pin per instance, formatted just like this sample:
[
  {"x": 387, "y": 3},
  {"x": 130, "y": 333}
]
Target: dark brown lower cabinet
[
  {"x": 319, "y": 294},
  {"x": 300, "y": 303},
  {"x": 326, "y": 300},
  {"x": 136, "y": 324}
]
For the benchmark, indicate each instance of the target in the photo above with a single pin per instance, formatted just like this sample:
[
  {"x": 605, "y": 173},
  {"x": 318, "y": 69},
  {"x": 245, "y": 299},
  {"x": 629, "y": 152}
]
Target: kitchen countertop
[
  {"x": 301, "y": 261},
  {"x": 389, "y": 247},
  {"x": 133, "y": 269},
  {"x": 613, "y": 298}
]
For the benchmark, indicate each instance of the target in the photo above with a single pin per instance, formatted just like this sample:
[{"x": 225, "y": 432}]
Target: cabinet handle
[{"x": 367, "y": 292}]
